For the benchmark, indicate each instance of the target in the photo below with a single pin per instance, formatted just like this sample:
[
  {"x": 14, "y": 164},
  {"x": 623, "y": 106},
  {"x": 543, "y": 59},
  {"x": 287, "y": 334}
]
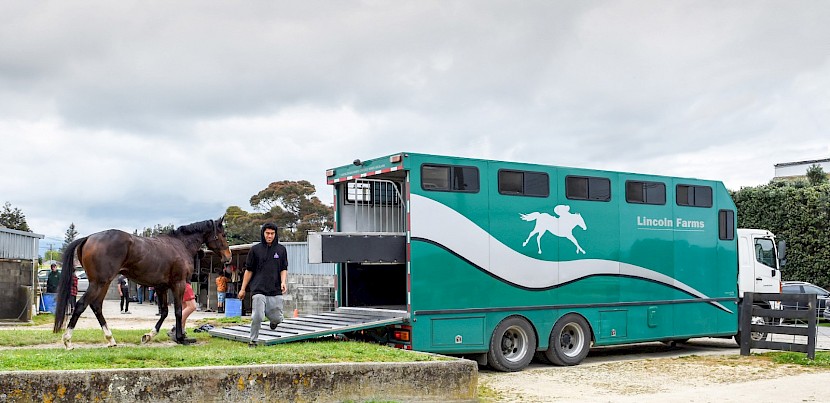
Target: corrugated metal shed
[{"x": 16, "y": 244}]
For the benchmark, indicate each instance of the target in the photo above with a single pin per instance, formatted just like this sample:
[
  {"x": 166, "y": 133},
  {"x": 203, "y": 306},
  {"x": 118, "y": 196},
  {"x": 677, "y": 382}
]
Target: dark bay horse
[{"x": 165, "y": 262}]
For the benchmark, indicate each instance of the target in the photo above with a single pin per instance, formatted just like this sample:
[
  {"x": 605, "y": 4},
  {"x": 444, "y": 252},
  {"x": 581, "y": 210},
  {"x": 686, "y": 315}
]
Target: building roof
[{"x": 796, "y": 163}]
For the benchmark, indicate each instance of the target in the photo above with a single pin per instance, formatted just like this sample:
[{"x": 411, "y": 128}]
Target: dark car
[{"x": 802, "y": 287}]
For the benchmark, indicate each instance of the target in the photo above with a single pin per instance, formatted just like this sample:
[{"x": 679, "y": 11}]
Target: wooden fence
[{"x": 774, "y": 322}]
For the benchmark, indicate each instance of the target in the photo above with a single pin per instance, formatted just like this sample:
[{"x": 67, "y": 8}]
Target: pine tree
[
  {"x": 13, "y": 218},
  {"x": 69, "y": 237}
]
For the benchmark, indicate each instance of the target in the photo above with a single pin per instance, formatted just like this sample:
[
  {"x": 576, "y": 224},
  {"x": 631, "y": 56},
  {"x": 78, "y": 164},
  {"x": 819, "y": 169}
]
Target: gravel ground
[{"x": 705, "y": 370}]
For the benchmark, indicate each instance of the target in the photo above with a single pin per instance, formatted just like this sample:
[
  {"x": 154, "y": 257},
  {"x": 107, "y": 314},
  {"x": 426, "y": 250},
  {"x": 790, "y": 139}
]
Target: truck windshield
[{"x": 765, "y": 251}]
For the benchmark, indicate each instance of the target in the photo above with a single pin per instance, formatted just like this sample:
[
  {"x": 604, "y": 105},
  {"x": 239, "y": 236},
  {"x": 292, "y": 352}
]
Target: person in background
[
  {"x": 221, "y": 290},
  {"x": 53, "y": 280},
  {"x": 266, "y": 270},
  {"x": 152, "y": 294},
  {"x": 73, "y": 294},
  {"x": 139, "y": 289},
  {"x": 124, "y": 292}
]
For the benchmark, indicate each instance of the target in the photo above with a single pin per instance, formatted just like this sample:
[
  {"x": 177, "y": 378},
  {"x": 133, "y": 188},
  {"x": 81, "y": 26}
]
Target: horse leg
[
  {"x": 161, "y": 300},
  {"x": 96, "y": 294},
  {"x": 178, "y": 294},
  {"x": 578, "y": 248},
  {"x": 534, "y": 232},
  {"x": 77, "y": 310}
]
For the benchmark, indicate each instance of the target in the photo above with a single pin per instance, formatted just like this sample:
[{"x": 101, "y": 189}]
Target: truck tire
[
  {"x": 512, "y": 345},
  {"x": 570, "y": 340},
  {"x": 755, "y": 336}
]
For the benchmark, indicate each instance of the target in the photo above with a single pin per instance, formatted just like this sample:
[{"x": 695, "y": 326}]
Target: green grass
[
  {"x": 822, "y": 358},
  {"x": 207, "y": 352}
]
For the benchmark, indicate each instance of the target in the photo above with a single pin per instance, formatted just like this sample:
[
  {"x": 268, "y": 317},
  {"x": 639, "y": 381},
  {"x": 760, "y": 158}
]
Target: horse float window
[
  {"x": 726, "y": 225},
  {"x": 449, "y": 178},
  {"x": 524, "y": 183},
  {"x": 694, "y": 196},
  {"x": 590, "y": 188},
  {"x": 645, "y": 192}
]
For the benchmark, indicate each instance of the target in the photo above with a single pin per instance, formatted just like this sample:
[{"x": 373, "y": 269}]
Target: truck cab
[
  {"x": 759, "y": 269},
  {"x": 760, "y": 261}
]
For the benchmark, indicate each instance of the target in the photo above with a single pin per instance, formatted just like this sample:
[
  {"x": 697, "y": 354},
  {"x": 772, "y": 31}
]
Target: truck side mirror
[{"x": 782, "y": 253}]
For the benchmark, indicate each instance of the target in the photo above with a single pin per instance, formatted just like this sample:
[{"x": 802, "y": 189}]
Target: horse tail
[
  {"x": 65, "y": 285},
  {"x": 529, "y": 217}
]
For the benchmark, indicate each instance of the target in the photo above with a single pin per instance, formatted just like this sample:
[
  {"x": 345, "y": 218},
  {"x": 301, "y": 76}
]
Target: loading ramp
[{"x": 341, "y": 320}]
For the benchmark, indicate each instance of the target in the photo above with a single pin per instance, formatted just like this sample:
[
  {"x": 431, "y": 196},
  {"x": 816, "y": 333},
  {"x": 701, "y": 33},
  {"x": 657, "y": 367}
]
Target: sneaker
[
  {"x": 273, "y": 325},
  {"x": 122, "y": 312},
  {"x": 128, "y": 313},
  {"x": 252, "y": 344}
]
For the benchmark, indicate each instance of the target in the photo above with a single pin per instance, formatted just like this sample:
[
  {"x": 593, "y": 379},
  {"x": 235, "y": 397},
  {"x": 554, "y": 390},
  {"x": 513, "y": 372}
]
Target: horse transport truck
[{"x": 503, "y": 261}]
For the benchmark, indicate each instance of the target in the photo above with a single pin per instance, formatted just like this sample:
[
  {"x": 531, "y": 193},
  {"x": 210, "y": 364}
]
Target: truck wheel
[
  {"x": 570, "y": 340},
  {"x": 755, "y": 336},
  {"x": 512, "y": 345}
]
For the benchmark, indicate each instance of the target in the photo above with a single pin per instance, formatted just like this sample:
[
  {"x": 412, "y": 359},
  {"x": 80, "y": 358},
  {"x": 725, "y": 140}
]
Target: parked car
[
  {"x": 42, "y": 275},
  {"x": 802, "y": 287},
  {"x": 826, "y": 313},
  {"x": 83, "y": 282}
]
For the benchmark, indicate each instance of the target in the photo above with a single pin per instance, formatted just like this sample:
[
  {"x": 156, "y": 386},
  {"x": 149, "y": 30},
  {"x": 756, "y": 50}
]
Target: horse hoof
[
  {"x": 185, "y": 341},
  {"x": 146, "y": 338}
]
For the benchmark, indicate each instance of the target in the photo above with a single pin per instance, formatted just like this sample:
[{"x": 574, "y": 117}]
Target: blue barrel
[
  {"x": 233, "y": 307},
  {"x": 48, "y": 302}
]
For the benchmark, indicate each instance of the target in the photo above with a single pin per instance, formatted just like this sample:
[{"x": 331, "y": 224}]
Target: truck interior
[{"x": 372, "y": 244}]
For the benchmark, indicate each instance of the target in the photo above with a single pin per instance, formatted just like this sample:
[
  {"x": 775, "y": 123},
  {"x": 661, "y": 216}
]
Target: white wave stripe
[{"x": 438, "y": 223}]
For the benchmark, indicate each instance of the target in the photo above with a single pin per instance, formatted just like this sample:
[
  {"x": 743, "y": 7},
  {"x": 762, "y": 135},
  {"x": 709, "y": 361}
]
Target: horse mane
[{"x": 190, "y": 229}]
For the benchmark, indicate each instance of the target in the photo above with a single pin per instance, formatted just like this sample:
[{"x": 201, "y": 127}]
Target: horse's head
[
  {"x": 580, "y": 222},
  {"x": 218, "y": 243}
]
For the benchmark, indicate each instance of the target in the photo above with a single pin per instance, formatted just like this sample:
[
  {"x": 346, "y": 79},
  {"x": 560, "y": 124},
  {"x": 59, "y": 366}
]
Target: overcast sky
[{"x": 121, "y": 114}]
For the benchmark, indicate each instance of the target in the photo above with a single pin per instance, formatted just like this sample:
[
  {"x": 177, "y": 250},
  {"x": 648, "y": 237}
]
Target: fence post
[
  {"x": 812, "y": 328},
  {"x": 745, "y": 322}
]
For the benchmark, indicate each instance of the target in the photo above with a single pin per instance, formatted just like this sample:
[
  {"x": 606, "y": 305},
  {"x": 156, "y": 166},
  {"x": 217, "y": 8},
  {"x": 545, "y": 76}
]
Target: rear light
[
  {"x": 329, "y": 172},
  {"x": 396, "y": 158},
  {"x": 402, "y": 335}
]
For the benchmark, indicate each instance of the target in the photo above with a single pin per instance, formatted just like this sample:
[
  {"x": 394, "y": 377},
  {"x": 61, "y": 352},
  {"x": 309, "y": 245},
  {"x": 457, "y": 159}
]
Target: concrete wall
[
  {"x": 15, "y": 297},
  {"x": 445, "y": 381}
]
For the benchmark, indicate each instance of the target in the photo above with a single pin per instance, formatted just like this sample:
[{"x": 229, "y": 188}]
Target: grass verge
[{"x": 48, "y": 354}]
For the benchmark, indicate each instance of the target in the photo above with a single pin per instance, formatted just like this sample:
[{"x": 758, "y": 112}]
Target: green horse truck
[{"x": 503, "y": 261}]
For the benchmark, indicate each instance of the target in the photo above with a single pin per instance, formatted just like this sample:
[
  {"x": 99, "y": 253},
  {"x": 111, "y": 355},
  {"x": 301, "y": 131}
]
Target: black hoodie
[{"x": 265, "y": 263}]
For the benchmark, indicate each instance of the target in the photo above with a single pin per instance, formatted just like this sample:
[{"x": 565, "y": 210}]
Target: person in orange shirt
[{"x": 221, "y": 289}]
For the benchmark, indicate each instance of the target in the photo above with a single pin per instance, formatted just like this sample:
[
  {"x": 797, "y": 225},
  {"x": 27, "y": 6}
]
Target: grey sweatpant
[{"x": 270, "y": 307}]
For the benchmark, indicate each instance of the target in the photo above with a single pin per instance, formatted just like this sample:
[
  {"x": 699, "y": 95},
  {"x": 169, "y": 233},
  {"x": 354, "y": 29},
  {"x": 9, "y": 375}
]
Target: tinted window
[
  {"x": 524, "y": 183},
  {"x": 645, "y": 192},
  {"x": 435, "y": 178},
  {"x": 791, "y": 289},
  {"x": 765, "y": 252},
  {"x": 726, "y": 225},
  {"x": 587, "y": 188},
  {"x": 694, "y": 196},
  {"x": 811, "y": 289},
  {"x": 450, "y": 178}
]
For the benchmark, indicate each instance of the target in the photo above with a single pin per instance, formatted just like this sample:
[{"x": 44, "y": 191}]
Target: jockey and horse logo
[{"x": 561, "y": 226}]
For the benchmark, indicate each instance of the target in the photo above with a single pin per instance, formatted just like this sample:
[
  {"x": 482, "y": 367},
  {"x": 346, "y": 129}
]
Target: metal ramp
[{"x": 310, "y": 326}]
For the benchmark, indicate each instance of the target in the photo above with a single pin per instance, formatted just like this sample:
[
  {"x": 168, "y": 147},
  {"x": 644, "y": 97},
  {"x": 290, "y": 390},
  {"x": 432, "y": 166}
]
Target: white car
[{"x": 83, "y": 282}]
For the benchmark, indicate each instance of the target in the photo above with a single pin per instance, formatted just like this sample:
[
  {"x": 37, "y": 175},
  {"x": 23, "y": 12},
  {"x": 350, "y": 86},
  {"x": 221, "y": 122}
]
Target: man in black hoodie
[{"x": 266, "y": 270}]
